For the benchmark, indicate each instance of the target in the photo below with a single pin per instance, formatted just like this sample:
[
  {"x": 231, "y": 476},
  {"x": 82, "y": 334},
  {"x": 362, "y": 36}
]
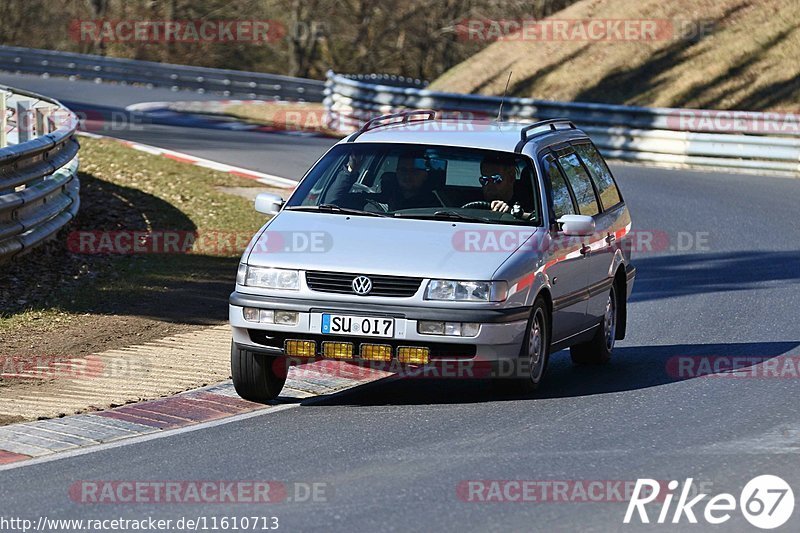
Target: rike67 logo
[{"x": 767, "y": 502}]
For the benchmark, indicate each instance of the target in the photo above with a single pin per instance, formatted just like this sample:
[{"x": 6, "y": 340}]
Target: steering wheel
[
  {"x": 376, "y": 203},
  {"x": 481, "y": 204}
]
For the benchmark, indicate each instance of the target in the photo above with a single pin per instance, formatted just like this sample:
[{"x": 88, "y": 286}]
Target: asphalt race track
[{"x": 722, "y": 281}]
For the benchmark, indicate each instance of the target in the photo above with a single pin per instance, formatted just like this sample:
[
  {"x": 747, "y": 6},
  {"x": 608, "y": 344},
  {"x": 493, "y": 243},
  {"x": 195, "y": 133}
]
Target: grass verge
[{"x": 61, "y": 300}]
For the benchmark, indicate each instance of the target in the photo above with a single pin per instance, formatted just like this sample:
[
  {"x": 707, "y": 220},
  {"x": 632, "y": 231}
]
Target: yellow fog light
[
  {"x": 376, "y": 352},
  {"x": 298, "y": 348},
  {"x": 337, "y": 350},
  {"x": 414, "y": 355}
]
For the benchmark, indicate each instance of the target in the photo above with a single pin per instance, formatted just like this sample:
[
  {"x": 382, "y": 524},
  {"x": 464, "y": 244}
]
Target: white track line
[
  {"x": 144, "y": 107},
  {"x": 266, "y": 179}
]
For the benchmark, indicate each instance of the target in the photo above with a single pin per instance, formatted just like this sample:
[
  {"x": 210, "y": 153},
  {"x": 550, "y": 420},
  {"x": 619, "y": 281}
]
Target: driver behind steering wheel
[{"x": 498, "y": 176}]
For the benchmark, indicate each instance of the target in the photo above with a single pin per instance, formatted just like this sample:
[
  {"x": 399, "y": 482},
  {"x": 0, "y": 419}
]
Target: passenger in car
[
  {"x": 410, "y": 187},
  {"x": 339, "y": 190}
]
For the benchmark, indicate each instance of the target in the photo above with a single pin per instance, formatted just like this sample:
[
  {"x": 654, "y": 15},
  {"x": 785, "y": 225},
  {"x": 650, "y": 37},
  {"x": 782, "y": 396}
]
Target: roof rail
[
  {"x": 405, "y": 115},
  {"x": 553, "y": 122}
]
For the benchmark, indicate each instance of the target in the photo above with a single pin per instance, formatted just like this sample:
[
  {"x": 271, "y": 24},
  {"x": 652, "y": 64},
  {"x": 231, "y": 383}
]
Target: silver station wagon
[{"x": 417, "y": 242}]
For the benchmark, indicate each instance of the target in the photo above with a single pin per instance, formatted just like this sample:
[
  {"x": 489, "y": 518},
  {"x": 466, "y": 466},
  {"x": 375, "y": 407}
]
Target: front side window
[
  {"x": 422, "y": 181},
  {"x": 562, "y": 199},
  {"x": 601, "y": 175},
  {"x": 581, "y": 184}
]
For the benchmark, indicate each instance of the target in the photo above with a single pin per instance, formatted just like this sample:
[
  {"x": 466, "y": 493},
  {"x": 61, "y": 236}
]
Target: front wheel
[
  {"x": 598, "y": 350},
  {"x": 534, "y": 354},
  {"x": 257, "y": 377}
]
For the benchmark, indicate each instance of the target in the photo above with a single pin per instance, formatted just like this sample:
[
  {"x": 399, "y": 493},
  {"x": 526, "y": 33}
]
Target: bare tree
[{"x": 417, "y": 38}]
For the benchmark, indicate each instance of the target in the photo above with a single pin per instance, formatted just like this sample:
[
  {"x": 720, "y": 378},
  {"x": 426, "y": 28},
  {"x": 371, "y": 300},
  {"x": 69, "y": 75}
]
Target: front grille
[{"x": 341, "y": 282}]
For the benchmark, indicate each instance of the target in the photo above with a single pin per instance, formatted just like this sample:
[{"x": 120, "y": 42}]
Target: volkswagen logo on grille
[{"x": 362, "y": 285}]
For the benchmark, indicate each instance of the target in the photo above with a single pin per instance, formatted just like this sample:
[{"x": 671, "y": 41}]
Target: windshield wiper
[
  {"x": 332, "y": 208},
  {"x": 447, "y": 215}
]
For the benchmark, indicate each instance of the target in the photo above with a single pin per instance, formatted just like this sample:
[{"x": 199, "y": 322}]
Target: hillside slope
[{"x": 750, "y": 60}]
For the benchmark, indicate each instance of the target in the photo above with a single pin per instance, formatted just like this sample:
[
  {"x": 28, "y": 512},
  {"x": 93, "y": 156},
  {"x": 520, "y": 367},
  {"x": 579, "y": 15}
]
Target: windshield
[{"x": 416, "y": 181}]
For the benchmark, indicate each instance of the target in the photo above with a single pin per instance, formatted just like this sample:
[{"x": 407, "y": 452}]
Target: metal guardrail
[
  {"x": 657, "y": 135},
  {"x": 39, "y": 188},
  {"x": 234, "y": 83},
  {"x": 389, "y": 79}
]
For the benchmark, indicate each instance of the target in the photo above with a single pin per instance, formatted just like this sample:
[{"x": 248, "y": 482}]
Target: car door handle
[
  {"x": 585, "y": 249},
  {"x": 611, "y": 238}
]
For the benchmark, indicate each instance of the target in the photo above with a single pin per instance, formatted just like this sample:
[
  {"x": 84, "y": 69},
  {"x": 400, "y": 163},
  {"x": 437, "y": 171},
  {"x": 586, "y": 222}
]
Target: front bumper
[{"x": 500, "y": 337}]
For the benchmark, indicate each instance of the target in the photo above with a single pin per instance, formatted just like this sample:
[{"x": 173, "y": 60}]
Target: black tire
[
  {"x": 598, "y": 350},
  {"x": 257, "y": 377},
  {"x": 531, "y": 365}
]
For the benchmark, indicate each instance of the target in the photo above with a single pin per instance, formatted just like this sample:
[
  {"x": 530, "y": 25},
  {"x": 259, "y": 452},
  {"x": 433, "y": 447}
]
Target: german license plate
[{"x": 364, "y": 326}]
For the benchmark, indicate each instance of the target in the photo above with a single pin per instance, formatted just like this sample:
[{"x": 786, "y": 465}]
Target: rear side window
[
  {"x": 581, "y": 184},
  {"x": 562, "y": 200},
  {"x": 606, "y": 188}
]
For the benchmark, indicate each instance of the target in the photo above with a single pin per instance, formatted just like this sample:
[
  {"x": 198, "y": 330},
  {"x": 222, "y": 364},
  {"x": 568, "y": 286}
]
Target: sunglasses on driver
[{"x": 496, "y": 178}]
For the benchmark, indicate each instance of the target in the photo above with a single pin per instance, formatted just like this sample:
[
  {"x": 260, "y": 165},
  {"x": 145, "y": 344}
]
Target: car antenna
[{"x": 503, "y": 99}]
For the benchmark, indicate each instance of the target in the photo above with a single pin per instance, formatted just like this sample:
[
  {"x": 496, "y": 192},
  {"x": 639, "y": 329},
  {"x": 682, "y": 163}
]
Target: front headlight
[
  {"x": 466, "y": 291},
  {"x": 268, "y": 278}
]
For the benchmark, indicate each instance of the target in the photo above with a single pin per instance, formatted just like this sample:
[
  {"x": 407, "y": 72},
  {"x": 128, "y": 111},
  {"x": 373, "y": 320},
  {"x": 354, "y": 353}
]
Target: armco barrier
[
  {"x": 742, "y": 140},
  {"x": 39, "y": 188},
  {"x": 234, "y": 83}
]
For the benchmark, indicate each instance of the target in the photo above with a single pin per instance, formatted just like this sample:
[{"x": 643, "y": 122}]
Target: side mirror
[
  {"x": 577, "y": 225},
  {"x": 268, "y": 203}
]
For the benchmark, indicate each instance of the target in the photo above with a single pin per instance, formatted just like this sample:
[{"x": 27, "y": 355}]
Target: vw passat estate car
[{"x": 435, "y": 241}]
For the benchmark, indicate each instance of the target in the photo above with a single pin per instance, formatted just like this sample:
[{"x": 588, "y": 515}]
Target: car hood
[{"x": 374, "y": 245}]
